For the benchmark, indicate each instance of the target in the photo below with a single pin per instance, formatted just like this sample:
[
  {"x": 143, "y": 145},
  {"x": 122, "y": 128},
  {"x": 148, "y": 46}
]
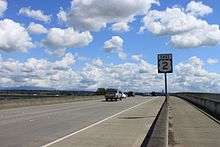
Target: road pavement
[
  {"x": 39, "y": 125},
  {"x": 190, "y": 126},
  {"x": 126, "y": 129}
]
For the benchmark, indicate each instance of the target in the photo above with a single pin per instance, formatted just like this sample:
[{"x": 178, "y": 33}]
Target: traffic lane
[
  {"x": 190, "y": 127},
  {"x": 128, "y": 128},
  {"x": 27, "y": 113},
  {"x": 35, "y": 126}
]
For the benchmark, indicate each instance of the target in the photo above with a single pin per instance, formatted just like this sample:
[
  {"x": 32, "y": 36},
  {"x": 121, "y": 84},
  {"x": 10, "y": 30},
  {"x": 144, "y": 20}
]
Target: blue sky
[{"x": 89, "y": 42}]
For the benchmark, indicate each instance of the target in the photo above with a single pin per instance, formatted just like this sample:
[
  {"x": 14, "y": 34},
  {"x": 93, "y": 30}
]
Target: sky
[{"x": 87, "y": 44}]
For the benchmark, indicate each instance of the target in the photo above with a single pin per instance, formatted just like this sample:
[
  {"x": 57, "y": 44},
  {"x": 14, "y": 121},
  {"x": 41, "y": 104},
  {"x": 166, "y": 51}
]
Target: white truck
[{"x": 113, "y": 94}]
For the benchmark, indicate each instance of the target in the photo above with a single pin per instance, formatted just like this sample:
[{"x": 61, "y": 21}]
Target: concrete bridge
[{"x": 137, "y": 121}]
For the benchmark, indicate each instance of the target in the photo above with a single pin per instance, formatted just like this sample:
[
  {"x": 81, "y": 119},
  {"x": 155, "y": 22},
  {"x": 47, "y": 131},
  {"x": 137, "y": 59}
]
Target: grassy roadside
[{"x": 15, "y": 103}]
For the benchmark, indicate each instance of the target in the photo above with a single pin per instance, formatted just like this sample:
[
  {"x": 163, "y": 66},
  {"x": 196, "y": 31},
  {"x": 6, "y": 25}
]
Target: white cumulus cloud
[
  {"x": 96, "y": 14},
  {"x": 3, "y": 6},
  {"x": 212, "y": 61},
  {"x": 120, "y": 27},
  {"x": 36, "y": 28},
  {"x": 208, "y": 35},
  {"x": 35, "y": 14},
  {"x": 62, "y": 16},
  {"x": 14, "y": 37},
  {"x": 137, "y": 57},
  {"x": 115, "y": 45},
  {"x": 140, "y": 75},
  {"x": 191, "y": 75},
  {"x": 184, "y": 26},
  {"x": 198, "y": 8},
  {"x": 60, "y": 39},
  {"x": 115, "y": 42},
  {"x": 39, "y": 72}
]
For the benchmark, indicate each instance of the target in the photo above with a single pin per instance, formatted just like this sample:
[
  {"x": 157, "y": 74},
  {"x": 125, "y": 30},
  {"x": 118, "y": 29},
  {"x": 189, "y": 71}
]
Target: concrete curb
[{"x": 149, "y": 137}]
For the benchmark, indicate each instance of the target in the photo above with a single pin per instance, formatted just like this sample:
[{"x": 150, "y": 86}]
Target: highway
[
  {"x": 97, "y": 123},
  {"x": 40, "y": 125}
]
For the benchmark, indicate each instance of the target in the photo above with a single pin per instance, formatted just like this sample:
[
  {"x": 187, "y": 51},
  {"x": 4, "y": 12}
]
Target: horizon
[{"x": 75, "y": 90}]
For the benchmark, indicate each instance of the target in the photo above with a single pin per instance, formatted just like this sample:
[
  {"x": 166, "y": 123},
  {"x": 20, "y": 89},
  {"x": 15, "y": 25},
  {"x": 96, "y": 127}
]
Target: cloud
[
  {"x": 35, "y": 14},
  {"x": 14, "y": 37},
  {"x": 62, "y": 15},
  {"x": 120, "y": 27},
  {"x": 208, "y": 35},
  {"x": 115, "y": 45},
  {"x": 137, "y": 57},
  {"x": 96, "y": 14},
  {"x": 36, "y": 28},
  {"x": 39, "y": 72},
  {"x": 61, "y": 39},
  {"x": 140, "y": 75},
  {"x": 192, "y": 76},
  {"x": 198, "y": 8},
  {"x": 126, "y": 76},
  {"x": 97, "y": 62},
  {"x": 3, "y": 6},
  {"x": 212, "y": 61},
  {"x": 183, "y": 26},
  {"x": 65, "y": 63},
  {"x": 169, "y": 22},
  {"x": 122, "y": 55}
]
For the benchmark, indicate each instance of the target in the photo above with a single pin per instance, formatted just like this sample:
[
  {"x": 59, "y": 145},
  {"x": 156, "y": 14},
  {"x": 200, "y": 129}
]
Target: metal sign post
[
  {"x": 165, "y": 65},
  {"x": 165, "y": 76}
]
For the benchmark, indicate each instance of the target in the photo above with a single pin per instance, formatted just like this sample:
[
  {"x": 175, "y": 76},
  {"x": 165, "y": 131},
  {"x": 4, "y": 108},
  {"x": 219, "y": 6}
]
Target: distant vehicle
[
  {"x": 157, "y": 93},
  {"x": 124, "y": 96},
  {"x": 153, "y": 93},
  {"x": 113, "y": 94},
  {"x": 131, "y": 94}
]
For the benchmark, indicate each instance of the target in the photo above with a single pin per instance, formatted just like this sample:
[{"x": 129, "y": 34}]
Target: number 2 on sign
[{"x": 165, "y": 65}]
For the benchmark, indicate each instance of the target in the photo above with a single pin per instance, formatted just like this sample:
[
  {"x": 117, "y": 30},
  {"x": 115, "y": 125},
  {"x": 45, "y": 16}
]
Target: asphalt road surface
[
  {"x": 125, "y": 129},
  {"x": 39, "y": 125},
  {"x": 190, "y": 126}
]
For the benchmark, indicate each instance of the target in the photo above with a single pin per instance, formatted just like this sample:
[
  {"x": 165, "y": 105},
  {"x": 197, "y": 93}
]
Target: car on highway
[
  {"x": 124, "y": 96},
  {"x": 113, "y": 94}
]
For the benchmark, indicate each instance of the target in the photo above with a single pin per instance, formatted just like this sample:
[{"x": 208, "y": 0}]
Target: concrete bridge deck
[{"x": 190, "y": 126}]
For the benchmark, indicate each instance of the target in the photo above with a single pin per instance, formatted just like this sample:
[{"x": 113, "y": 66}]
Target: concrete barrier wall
[{"x": 209, "y": 102}]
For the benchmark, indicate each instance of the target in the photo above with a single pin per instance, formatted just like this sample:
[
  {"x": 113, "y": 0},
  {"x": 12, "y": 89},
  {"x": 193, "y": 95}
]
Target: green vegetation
[{"x": 101, "y": 91}]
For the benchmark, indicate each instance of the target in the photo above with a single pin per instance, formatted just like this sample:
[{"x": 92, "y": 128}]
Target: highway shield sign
[{"x": 165, "y": 63}]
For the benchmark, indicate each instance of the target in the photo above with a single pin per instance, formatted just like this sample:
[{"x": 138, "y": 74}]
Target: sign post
[
  {"x": 165, "y": 65},
  {"x": 165, "y": 76}
]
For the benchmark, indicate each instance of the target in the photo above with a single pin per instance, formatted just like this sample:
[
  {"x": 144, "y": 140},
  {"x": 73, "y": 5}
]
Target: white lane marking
[{"x": 92, "y": 125}]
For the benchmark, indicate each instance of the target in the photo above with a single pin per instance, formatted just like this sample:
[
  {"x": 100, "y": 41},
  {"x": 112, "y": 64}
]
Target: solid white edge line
[{"x": 92, "y": 125}]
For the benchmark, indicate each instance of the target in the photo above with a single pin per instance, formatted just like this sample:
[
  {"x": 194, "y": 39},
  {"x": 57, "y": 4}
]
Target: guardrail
[{"x": 208, "y": 102}]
